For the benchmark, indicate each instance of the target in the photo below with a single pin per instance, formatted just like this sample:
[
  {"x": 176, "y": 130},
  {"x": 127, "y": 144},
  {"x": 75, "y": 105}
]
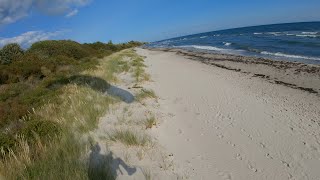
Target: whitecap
[
  {"x": 290, "y": 34},
  {"x": 306, "y": 35},
  {"x": 289, "y": 55},
  {"x": 227, "y": 43},
  {"x": 311, "y": 33},
  {"x": 257, "y": 33},
  {"x": 274, "y": 33},
  {"x": 211, "y": 48},
  {"x": 202, "y": 37}
]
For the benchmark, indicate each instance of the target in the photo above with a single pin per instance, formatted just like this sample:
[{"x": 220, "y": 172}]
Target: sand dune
[{"x": 222, "y": 124}]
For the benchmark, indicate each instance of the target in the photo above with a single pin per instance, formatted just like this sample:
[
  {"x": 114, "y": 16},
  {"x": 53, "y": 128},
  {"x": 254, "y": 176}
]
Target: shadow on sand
[
  {"x": 105, "y": 167},
  {"x": 96, "y": 84}
]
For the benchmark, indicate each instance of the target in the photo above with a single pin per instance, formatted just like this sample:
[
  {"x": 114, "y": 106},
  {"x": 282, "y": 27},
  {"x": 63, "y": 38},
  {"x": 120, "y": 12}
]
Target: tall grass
[
  {"x": 60, "y": 158},
  {"x": 76, "y": 111},
  {"x": 145, "y": 93},
  {"x": 129, "y": 137}
]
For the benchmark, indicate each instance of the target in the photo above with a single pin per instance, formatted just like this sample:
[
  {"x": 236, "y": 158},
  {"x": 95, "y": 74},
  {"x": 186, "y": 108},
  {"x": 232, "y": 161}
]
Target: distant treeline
[{"x": 28, "y": 78}]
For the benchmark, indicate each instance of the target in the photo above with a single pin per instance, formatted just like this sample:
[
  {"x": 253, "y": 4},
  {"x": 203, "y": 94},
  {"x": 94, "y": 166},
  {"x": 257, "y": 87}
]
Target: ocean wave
[
  {"x": 310, "y": 33},
  {"x": 289, "y": 34},
  {"x": 257, "y": 33},
  {"x": 202, "y": 37},
  {"x": 307, "y": 35},
  {"x": 227, "y": 43},
  {"x": 274, "y": 33},
  {"x": 279, "y": 54},
  {"x": 210, "y": 48}
]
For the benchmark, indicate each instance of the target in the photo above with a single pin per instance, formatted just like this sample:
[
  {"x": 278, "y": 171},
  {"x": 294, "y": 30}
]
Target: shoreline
[
  {"x": 221, "y": 123},
  {"x": 296, "y": 75}
]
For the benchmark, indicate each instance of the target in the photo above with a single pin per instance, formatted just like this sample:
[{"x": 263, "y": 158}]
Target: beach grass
[
  {"x": 76, "y": 111},
  {"x": 144, "y": 94},
  {"x": 129, "y": 137},
  {"x": 150, "y": 122}
]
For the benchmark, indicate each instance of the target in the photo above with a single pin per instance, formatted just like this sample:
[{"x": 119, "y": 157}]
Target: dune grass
[
  {"x": 144, "y": 94},
  {"x": 138, "y": 68},
  {"x": 129, "y": 137},
  {"x": 75, "y": 112},
  {"x": 150, "y": 122},
  {"x": 60, "y": 158},
  {"x": 116, "y": 65}
]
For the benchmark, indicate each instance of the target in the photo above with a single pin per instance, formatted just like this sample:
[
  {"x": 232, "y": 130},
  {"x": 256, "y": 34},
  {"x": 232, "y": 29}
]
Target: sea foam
[
  {"x": 279, "y": 54},
  {"x": 227, "y": 43},
  {"x": 210, "y": 48}
]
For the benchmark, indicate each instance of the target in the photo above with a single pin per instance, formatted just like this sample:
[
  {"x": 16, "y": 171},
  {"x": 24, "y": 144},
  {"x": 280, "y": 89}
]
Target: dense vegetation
[{"x": 30, "y": 78}]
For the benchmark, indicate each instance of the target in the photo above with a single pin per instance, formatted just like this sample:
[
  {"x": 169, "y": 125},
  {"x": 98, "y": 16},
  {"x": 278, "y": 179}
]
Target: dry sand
[{"x": 225, "y": 124}]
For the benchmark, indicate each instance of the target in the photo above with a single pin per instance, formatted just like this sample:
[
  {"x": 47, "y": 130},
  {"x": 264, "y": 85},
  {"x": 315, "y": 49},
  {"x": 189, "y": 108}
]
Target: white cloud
[
  {"x": 30, "y": 37},
  {"x": 13, "y": 10},
  {"x": 72, "y": 13}
]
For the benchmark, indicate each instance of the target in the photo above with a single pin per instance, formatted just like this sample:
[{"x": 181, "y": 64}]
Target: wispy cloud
[
  {"x": 13, "y": 10},
  {"x": 72, "y": 13},
  {"x": 30, "y": 37}
]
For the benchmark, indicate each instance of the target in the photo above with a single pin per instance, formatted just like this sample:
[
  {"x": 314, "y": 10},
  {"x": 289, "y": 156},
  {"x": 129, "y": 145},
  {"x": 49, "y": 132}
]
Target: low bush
[
  {"x": 10, "y": 52},
  {"x": 52, "y": 48}
]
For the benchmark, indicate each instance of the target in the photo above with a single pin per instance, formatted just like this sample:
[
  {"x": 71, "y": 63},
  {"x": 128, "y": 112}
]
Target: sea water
[{"x": 298, "y": 42}]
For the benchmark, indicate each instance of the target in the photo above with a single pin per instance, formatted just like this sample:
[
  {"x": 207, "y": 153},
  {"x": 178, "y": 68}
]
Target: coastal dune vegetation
[{"x": 50, "y": 94}]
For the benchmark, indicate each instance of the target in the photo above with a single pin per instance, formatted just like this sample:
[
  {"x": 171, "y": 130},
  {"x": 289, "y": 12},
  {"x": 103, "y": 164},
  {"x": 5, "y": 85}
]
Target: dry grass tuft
[
  {"x": 129, "y": 137},
  {"x": 144, "y": 94},
  {"x": 150, "y": 122}
]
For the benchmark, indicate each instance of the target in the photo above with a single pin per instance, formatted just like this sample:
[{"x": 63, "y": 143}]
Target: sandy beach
[{"x": 232, "y": 117}]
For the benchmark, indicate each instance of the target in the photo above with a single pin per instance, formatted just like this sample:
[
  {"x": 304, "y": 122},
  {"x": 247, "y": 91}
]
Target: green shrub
[
  {"x": 10, "y": 52},
  {"x": 34, "y": 77},
  {"x": 51, "y": 48}
]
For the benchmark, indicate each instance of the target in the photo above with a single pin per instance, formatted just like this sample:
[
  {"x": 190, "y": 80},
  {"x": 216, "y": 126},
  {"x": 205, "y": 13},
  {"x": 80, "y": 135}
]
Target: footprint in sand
[
  {"x": 285, "y": 164},
  {"x": 220, "y": 136},
  {"x": 230, "y": 143},
  {"x": 248, "y": 135},
  {"x": 238, "y": 157},
  {"x": 269, "y": 156},
  {"x": 252, "y": 168},
  {"x": 262, "y": 145},
  {"x": 225, "y": 175}
]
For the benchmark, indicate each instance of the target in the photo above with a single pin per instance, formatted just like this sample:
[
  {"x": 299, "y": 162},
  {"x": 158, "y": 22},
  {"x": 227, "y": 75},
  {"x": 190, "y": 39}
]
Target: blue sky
[{"x": 26, "y": 21}]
